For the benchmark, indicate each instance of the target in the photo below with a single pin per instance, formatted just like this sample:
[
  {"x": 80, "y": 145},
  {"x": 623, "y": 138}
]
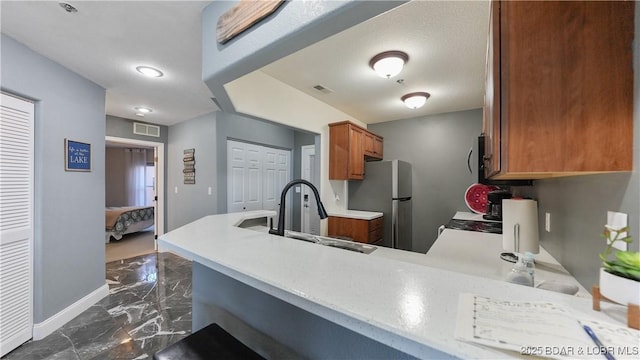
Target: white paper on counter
[{"x": 537, "y": 328}]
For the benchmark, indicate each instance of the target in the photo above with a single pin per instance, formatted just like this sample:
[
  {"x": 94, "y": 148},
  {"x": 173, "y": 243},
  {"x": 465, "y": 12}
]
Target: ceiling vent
[
  {"x": 323, "y": 89},
  {"x": 146, "y": 129}
]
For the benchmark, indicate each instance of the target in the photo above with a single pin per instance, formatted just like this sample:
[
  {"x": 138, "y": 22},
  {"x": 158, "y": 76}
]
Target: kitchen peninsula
[{"x": 285, "y": 296}]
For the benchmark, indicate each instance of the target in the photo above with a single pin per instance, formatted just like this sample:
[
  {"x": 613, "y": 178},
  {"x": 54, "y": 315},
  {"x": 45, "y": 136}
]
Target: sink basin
[
  {"x": 327, "y": 241},
  {"x": 301, "y": 236}
]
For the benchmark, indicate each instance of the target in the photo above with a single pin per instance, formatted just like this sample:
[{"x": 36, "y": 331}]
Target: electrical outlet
[
  {"x": 547, "y": 221},
  {"x": 175, "y": 190},
  {"x": 618, "y": 220},
  {"x": 209, "y": 190}
]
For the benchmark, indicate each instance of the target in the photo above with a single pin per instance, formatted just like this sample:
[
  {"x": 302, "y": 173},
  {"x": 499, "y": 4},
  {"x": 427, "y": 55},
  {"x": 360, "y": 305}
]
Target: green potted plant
[{"x": 620, "y": 274}]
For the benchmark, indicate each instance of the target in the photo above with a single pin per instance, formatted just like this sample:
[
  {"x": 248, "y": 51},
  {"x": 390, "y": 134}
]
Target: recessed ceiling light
[
  {"x": 140, "y": 114},
  {"x": 68, "y": 7},
  {"x": 149, "y": 71},
  {"x": 142, "y": 109},
  {"x": 415, "y": 100}
]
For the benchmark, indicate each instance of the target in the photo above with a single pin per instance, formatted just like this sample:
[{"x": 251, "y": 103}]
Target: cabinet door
[
  {"x": 492, "y": 95},
  {"x": 372, "y": 146},
  {"x": 338, "y": 151},
  {"x": 377, "y": 147},
  {"x": 355, "y": 229},
  {"x": 369, "y": 147},
  {"x": 356, "y": 153},
  {"x": 563, "y": 104}
]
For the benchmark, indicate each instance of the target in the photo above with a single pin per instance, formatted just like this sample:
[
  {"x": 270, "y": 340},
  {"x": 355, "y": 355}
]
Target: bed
[{"x": 127, "y": 220}]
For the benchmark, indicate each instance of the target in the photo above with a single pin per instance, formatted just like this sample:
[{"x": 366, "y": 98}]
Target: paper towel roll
[{"x": 520, "y": 221}]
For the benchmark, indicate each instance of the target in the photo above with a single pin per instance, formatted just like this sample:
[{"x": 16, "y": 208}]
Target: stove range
[{"x": 473, "y": 225}]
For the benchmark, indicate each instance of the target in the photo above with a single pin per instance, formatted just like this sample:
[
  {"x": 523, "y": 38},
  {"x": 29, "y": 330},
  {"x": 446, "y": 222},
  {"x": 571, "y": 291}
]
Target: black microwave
[{"x": 483, "y": 180}]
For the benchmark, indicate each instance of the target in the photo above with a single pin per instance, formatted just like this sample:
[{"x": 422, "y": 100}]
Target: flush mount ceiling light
[
  {"x": 149, "y": 71},
  {"x": 415, "y": 100},
  {"x": 68, "y": 7},
  {"x": 389, "y": 63},
  {"x": 142, "y": 110}
]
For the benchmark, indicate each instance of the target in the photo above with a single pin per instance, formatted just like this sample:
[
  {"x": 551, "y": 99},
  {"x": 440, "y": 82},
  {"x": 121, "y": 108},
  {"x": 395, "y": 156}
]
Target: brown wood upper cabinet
[
  {"x": 559, "y": 89},
  {"x": 372, "y": 146},
  {"x": 349, "y": 146}
]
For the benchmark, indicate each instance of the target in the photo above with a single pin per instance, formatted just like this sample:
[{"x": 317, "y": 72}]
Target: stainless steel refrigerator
[{"x": 386, "y": 188}]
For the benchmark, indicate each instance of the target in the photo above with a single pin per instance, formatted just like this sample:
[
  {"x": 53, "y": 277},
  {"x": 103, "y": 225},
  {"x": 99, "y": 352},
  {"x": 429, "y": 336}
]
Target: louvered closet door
[{"x": 16, "y": 222}]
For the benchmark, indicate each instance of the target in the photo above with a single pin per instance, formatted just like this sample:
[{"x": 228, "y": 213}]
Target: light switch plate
[
  {"x": 618, "y": 220},
  {"x": 547, "y": 221}
]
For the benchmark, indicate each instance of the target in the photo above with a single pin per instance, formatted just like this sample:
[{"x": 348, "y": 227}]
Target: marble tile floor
[{"x": 147, "y": 309}]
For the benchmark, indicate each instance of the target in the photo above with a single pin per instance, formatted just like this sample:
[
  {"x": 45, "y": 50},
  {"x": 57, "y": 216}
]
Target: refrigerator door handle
[{"x": 394, "y": 225}]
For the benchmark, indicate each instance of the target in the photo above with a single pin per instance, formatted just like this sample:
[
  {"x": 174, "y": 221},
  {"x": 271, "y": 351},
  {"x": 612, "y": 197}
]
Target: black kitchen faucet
[{"x": 321, "y": 211}]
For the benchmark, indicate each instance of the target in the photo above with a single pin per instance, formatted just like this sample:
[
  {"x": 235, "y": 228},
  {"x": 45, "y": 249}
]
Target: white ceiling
[
  {"x": 105, "y": 40},
  {"x": 446, "y": 42}
]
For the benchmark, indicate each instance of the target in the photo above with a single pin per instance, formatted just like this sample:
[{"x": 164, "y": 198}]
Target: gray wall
[
  {"x": 579, "y": 205},
  {"x": 68, "y": 206},
  {"x": 438, "y": 150},
  {"x": 192, "y": 201},
  {"x": 247, "y": 129},
  {"x": 208, "y": 134},
  {"x": 123, "y": 128}
]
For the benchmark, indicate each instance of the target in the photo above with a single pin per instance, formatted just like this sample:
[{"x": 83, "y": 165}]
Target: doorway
[
  {"x": 309, "y": 223},
  {"x": 156, "y": 186}
]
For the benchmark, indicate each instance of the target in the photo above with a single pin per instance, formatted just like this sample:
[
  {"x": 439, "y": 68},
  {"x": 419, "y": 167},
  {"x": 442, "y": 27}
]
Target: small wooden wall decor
[
  {"x": 189, "y": 170},
  {"x": 242, "y": 16}
]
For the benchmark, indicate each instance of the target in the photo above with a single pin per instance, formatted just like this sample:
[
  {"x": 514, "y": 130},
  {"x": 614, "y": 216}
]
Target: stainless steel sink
[{"x": 327, "y": 241}]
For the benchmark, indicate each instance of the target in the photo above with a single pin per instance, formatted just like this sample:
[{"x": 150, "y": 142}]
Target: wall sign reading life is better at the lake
[{"x": 77, "y": 156}]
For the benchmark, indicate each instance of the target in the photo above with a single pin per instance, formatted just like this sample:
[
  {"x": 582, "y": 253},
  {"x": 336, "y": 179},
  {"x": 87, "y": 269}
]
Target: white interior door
[
  {"x": 310, "y": 223},
  {"x": 276, "y": 169},
  {"x": 256, "y": 176},
  {"x": 16, "y": 222},
  {"x": 244, "y": 176}
]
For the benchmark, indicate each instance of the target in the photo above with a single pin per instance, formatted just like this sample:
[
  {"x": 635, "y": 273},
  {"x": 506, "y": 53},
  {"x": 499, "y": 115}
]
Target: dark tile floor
[{"x": 148, "y": 308}]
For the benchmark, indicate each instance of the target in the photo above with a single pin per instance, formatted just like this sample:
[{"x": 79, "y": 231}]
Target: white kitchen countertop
[
  {"x": 477, "y": 253},
  {"x": 406, "y": 305},
  {"x": 356, "y": 214}
]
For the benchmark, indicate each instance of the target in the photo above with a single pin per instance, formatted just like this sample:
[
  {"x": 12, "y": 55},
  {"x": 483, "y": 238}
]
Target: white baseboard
[{"x": 41, "y": 330}]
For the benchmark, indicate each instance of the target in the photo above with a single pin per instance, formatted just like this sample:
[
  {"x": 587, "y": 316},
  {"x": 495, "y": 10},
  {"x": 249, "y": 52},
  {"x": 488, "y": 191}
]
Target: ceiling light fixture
[
  {"x": 140, "y": 114},
  {"x": 389, "y": 63},
  {"x": 68, "y": 7},
  {"x": 149, "y": 71},
  {"x": 143, "y": 110},
  {"x": 415, "y": 100}
]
